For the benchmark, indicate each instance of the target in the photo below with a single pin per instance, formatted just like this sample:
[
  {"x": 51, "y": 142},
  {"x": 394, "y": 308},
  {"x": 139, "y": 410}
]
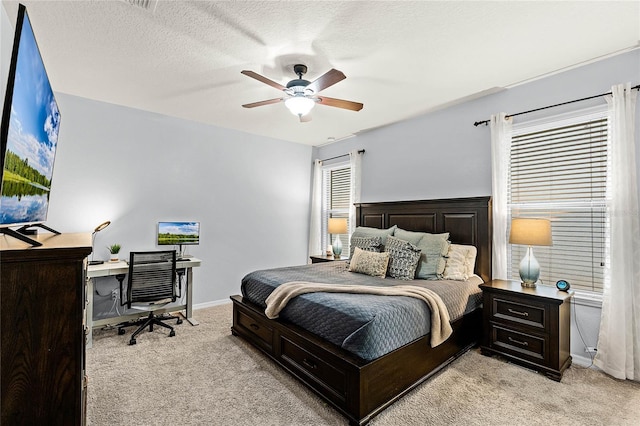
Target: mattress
[{"x": 368, "y": 326}]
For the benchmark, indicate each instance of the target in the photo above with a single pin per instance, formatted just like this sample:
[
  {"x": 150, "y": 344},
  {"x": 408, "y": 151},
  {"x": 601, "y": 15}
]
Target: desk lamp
[
  {"x": 93, "y": 238},
  {"x": 530, "y": 232},
  {"x": 337, "y": 226}
]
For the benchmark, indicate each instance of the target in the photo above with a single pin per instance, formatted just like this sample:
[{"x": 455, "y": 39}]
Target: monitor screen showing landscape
[{"x": 178, "y": 233}]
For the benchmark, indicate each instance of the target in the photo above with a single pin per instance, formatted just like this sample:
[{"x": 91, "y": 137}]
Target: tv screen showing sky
[{"x": 32, "y": 137}]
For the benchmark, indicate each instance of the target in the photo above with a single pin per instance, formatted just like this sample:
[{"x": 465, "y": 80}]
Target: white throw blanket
[{"x": 440, "y": 327}]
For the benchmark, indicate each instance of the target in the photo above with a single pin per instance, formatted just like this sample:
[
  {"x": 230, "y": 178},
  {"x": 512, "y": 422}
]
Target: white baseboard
[{"x": 211, "y": 304}]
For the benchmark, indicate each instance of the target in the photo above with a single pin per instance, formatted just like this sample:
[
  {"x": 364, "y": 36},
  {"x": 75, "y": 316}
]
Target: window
[
  {"x": 336, "y": 192},
  {"x": 558, "y": 171}
]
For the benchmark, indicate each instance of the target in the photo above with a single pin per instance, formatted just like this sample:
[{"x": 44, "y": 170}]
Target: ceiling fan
[{"x": 302, "y": 95}]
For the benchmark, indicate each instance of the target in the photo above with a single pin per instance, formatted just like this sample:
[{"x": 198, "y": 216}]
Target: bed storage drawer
[
  {"x": 313, "y": 368},
  {"x": 254, "y": 329}
]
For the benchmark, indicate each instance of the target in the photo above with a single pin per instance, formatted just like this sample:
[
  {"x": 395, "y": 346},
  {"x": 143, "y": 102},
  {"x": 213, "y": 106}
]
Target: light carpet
[{"x": 206, "y": 376}]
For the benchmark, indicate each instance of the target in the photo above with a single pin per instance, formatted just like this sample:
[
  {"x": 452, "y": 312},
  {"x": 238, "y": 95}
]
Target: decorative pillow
[
  {"x": 434, "y": 249},
  {"x": 403, "y": 258},
  {"x": 366, "y": 244},
  {"x": 461, "y": 262},
  {"x": 363, "y": 231},
  {"x": 369, "y": 262}
]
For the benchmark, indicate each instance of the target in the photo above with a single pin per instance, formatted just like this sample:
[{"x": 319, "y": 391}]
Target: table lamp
[
  {"x": 93, "y": 238},
  {"x": 336, "y": 227},
  {"x": 530, "y": 232}
]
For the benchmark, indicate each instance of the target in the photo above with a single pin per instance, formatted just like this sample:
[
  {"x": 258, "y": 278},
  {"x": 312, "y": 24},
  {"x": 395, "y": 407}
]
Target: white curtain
[
  {"x": 315, "y": 220},
  {"x": 500, "y": 152},
  {"x": 619, "y": 338},
  {"x": 355, "y": 160}
]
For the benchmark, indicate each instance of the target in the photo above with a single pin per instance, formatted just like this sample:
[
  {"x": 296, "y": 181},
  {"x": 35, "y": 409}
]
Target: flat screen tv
[
  {"x": 29, "y": 135},
  {"x": 178, "y": 234}
]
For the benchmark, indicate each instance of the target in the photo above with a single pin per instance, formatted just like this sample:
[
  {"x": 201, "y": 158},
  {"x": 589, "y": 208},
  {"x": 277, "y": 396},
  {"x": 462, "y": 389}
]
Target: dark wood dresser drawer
[
  {"x": 255, "y": 329},
  {"x": 526, "y": 313},
  {"x": 313, "y": 368}
]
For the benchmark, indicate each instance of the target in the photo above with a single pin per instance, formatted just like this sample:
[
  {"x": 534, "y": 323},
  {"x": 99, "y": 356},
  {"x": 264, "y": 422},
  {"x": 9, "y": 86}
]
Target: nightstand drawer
[
  {"x": 529, "y": 314},
  {"x": 526, "y": 346}
]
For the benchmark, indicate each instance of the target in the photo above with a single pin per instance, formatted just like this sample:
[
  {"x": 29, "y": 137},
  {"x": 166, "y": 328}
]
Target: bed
[{"x": 361, "y": 385}]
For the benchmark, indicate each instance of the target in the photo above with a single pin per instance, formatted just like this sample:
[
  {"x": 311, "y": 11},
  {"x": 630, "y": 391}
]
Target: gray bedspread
[{"x": 366, "y": 325}]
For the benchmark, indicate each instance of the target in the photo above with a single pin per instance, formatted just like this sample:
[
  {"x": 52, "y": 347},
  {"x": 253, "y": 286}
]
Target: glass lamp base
[
  {"x": 529, "y": 269},
  {"x": 337, "y": 247}
]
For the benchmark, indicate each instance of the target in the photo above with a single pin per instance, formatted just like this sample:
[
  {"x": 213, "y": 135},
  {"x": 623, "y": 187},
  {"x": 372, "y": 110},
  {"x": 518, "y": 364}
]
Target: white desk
[{"x": 111, "y": 269}]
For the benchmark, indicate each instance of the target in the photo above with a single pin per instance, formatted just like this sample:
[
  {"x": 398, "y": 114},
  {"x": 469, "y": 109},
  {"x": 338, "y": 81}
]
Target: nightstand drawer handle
[
  {"x": 518, "y": 342},
  {"x": 256, "y": 327},
  {"x": 524, "y": 314}
]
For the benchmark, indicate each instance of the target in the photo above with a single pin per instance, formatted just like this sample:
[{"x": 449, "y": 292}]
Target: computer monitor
[{"x": 178, "y": 234}]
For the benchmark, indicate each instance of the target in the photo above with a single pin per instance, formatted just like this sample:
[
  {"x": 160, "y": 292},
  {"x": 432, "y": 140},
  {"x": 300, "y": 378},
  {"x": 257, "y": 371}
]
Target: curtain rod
[
  {"x": 343, "y": 155},
  {"x": 486, "y": 122}
]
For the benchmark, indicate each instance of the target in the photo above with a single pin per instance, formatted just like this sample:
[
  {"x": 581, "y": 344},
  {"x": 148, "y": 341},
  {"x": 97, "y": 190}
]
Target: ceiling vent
[{"x": 143, "y": 4}]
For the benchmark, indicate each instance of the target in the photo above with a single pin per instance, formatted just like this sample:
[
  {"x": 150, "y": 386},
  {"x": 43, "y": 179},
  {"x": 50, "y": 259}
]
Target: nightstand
[
  {"x": 324, "y": 258},
  {"x": 529, "y": 326}
]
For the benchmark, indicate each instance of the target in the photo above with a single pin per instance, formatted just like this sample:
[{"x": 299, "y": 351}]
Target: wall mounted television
[
  {"x": 29, "y": 137},
  {"x": 178, "y": 234}
]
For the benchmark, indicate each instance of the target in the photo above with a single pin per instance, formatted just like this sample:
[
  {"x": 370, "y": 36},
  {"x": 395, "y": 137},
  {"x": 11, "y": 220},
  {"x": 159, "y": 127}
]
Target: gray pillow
[
  {"x": 363, "y": 231},
  {"x": 403, "y": 258},
  {"x": 433, "y": 248},
  {"x": 365, "y": 243}
]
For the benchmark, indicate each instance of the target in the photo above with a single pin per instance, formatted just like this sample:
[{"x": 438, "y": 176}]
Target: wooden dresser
[
  {"x": 529, "y": 326},
  {"x": 42, "y": 292}
]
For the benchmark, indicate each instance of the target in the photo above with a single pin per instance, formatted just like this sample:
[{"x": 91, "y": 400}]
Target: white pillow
[{"x": 461, "y": 262}]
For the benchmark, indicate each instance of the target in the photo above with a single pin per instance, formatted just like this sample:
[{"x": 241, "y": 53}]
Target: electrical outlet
[
  {"x": 114, "y": 294},
  {"x": 591, "y": 349}
]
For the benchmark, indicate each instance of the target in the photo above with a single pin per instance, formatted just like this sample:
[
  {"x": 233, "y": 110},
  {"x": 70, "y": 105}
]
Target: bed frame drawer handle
[
  {"x": 524, "y": 314},
  {"x": 254, "y": 326},
  {"x": 518, "y": 341},
  {"x": 309, "y": 363}
]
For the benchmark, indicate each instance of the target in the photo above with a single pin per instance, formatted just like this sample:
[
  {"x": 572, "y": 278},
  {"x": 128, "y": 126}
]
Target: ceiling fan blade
[
  {"x": 305, "y": 118},
  {"x": 329, "y": 78},
  {"x": 263, "y": 79},
  {"x": 353, "y": 106},
  {"x": 260, "y": 103}
]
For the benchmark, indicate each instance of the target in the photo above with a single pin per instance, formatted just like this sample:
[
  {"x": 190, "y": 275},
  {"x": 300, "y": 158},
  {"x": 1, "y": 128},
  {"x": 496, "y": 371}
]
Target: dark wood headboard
[{"x": 468, "y": 221}]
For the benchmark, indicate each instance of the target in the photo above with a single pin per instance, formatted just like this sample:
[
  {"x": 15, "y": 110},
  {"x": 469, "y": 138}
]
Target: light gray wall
[
  {"x": 136, "y": 168},
  {"x": 442, "y": 155}
]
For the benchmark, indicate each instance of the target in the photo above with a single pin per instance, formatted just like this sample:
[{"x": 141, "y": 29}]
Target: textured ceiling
[{"x": 401, "y": 59}]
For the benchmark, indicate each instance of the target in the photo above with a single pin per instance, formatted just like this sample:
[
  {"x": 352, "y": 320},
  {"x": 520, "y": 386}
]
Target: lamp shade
[
  {"x": 299, "y": 105},
  {"x": 337, "y": 225},
  {"x": 530, "y": 232}
]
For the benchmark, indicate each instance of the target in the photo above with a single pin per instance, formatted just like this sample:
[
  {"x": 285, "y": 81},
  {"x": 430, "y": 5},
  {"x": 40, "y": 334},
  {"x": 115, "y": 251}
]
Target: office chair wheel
[
  {"x": 121, "y": 331},
  {"x": 179, "y": 321},
  {"x": 132, "y": 341},
  {"x": 172, "y": 333}
]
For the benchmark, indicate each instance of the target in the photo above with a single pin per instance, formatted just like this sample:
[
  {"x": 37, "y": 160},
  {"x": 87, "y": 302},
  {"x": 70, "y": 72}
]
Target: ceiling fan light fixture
[{"x": 299, "y": 105}]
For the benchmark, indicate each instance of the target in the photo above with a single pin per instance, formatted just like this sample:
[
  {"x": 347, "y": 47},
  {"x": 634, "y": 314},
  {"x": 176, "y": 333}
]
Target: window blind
[
  {"x": 336, "y": 191},
  {"x": 560, "y": 173}
]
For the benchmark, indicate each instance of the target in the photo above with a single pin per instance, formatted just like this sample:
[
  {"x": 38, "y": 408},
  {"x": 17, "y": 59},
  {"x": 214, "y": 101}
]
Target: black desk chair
[{"x": 151, "y": 285}]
